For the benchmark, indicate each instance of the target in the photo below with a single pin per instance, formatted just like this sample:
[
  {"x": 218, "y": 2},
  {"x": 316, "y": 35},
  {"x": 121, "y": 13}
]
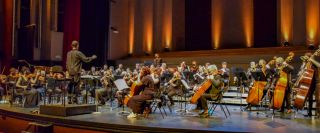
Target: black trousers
[{"x": 202, "y": 101}]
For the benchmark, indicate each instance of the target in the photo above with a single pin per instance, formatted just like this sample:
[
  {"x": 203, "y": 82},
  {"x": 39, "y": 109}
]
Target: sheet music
[{"x": 121, "y": 84}]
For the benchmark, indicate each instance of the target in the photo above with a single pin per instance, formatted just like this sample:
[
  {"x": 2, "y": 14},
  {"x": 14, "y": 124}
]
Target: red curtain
[
  {"x": 7, "y": 34},
  {"x": 71, "y": 24}
]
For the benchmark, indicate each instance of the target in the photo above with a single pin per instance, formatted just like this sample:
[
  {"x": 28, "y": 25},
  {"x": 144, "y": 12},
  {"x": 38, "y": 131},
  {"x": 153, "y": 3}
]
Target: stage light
[
  {"x": 114, "y": 30},
  {"x": 247, "y": 15},
  {"x": 216, "y": 22},
  {"x": 311, "y": 46},
  {"x": 286, "y": 20},
  {"x": 147, "y": 53},
  {"x": 312, "y": 21},
  {"x": 286, "y": 44},
  {"x": 131, "y": 25},
  {"x": 166, "y": 49}
]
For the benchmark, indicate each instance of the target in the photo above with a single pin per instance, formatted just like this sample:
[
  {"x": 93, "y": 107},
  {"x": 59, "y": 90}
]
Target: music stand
[
  {"x": 121, "y": 85},
  {"x": 186, "y": 88},
  {"x": 241, "y": 75},
  {"x": 259, "y": 76}
]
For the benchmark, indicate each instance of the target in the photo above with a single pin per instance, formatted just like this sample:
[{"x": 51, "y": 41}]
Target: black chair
[{"x": 219, "y": 102}]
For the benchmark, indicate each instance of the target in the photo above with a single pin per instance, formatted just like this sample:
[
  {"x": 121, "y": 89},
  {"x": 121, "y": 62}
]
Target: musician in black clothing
[
  {"x": 315, "y": 84},
  {"x": 75, "y": 58},
  {"x": 282, "y": 65}
]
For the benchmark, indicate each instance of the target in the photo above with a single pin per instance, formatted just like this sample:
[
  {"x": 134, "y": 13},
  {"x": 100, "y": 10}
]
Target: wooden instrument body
[
  {"x": 256, "y": 92},
  {"x": 134, "y": 90},
  {"x": 279, "y": 91},
  {"x": 202, "y": 89},
  {"x": 303, "y": 88}
]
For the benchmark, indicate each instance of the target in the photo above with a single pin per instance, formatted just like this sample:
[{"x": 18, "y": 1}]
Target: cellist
[{"x": 213, "y": 92}]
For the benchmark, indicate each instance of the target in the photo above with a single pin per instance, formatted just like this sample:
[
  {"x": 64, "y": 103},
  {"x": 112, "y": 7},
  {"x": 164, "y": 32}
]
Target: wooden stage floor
[{"x": 111, "y": 121}]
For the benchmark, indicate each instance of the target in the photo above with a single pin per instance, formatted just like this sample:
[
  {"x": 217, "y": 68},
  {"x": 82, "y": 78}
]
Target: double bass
[
  {"x": 281, "y": 85},
  {"x": 256, "y": 92},
  {"x": 303, "y": 83}
]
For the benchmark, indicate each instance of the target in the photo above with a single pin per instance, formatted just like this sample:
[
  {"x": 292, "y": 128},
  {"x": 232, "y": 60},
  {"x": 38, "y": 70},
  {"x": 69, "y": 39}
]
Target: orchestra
[{"x": 207, "y": 82}]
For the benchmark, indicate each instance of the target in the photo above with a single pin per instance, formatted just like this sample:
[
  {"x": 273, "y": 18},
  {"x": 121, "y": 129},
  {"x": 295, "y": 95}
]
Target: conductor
[{"x": 75, "y": 58}]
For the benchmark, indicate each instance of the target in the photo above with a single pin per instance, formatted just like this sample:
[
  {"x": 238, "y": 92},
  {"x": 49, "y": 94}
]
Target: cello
[
  {"x": 134, "y": 90},
  {"x": 303, "y": 83},
  {"x": 281, "y": 85}
]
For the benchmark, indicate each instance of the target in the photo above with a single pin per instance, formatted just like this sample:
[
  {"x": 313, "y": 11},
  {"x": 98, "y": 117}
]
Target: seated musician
[
  {"x": 138, "y": 102},
  {"x": 175, "y": 87},
  {"x": 24, "y": 89},
  {"x": 130, "y": 79},
  {"x": 36, "y": 83},
  {"x": 119, "y": 70},
  {"x": 157, "y": 60},
  {"x": 93, "y": 71},
  {"x": 52, "y": 87},
  {"x": 11, "y": 81},
  {"x": 2, "y": 82},
  {"x": 213, "y": 92},
  {"x": 225, "y": 73},
  {"x": 315, "y": 84},
  {"x": 105, "y": 93},
  {"x": 165, "y": 75}
]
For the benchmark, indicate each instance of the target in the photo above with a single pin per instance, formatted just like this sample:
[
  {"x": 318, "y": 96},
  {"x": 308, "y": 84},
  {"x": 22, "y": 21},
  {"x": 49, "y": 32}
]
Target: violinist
[
  {"x": 213, "y": 92},
  {"x": 175, "y": 87},
  {"x": 24, "y": 89},
  {"x": 52, "y": 86},
  {"x": 105, "y": 93}
]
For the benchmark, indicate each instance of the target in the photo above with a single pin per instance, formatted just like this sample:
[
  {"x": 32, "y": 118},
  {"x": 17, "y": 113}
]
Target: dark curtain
[
  {"x": 265, "y": 23},
  {"x": 26, "y": 33},
  {"x": 94, "y": 29},
  {"x": 71, "y": 24},
  {"x": 198, "y": 25},
  {"x": 6, "y": 28}
]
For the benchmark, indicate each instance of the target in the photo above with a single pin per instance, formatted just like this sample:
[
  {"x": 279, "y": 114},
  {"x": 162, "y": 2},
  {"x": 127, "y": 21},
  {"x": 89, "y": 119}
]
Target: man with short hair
[{"x": 75, "y": 58}]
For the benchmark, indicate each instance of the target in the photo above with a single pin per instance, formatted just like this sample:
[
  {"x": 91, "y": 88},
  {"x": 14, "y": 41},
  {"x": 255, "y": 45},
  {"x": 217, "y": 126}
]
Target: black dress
[{"x": 137, "y": 103}]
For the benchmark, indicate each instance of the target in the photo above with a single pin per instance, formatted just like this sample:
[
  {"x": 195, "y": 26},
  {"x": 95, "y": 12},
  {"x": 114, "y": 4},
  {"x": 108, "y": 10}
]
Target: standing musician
[
  {"x": 138, "y": 102},
  {"x": 315, "y": 84},
  {"x": 213, "y": 92},
  {"x": 260, "y": 67},
  {"x": 175, "y": 87},
  {"x": 24, "y": 89},
  {"x": 74, "y": 66},
  {"x": 280, "y": 65}
]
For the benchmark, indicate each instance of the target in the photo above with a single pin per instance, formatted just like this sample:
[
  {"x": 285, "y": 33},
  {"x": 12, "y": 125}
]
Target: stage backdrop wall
[{"x": 209, "y": 24}]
